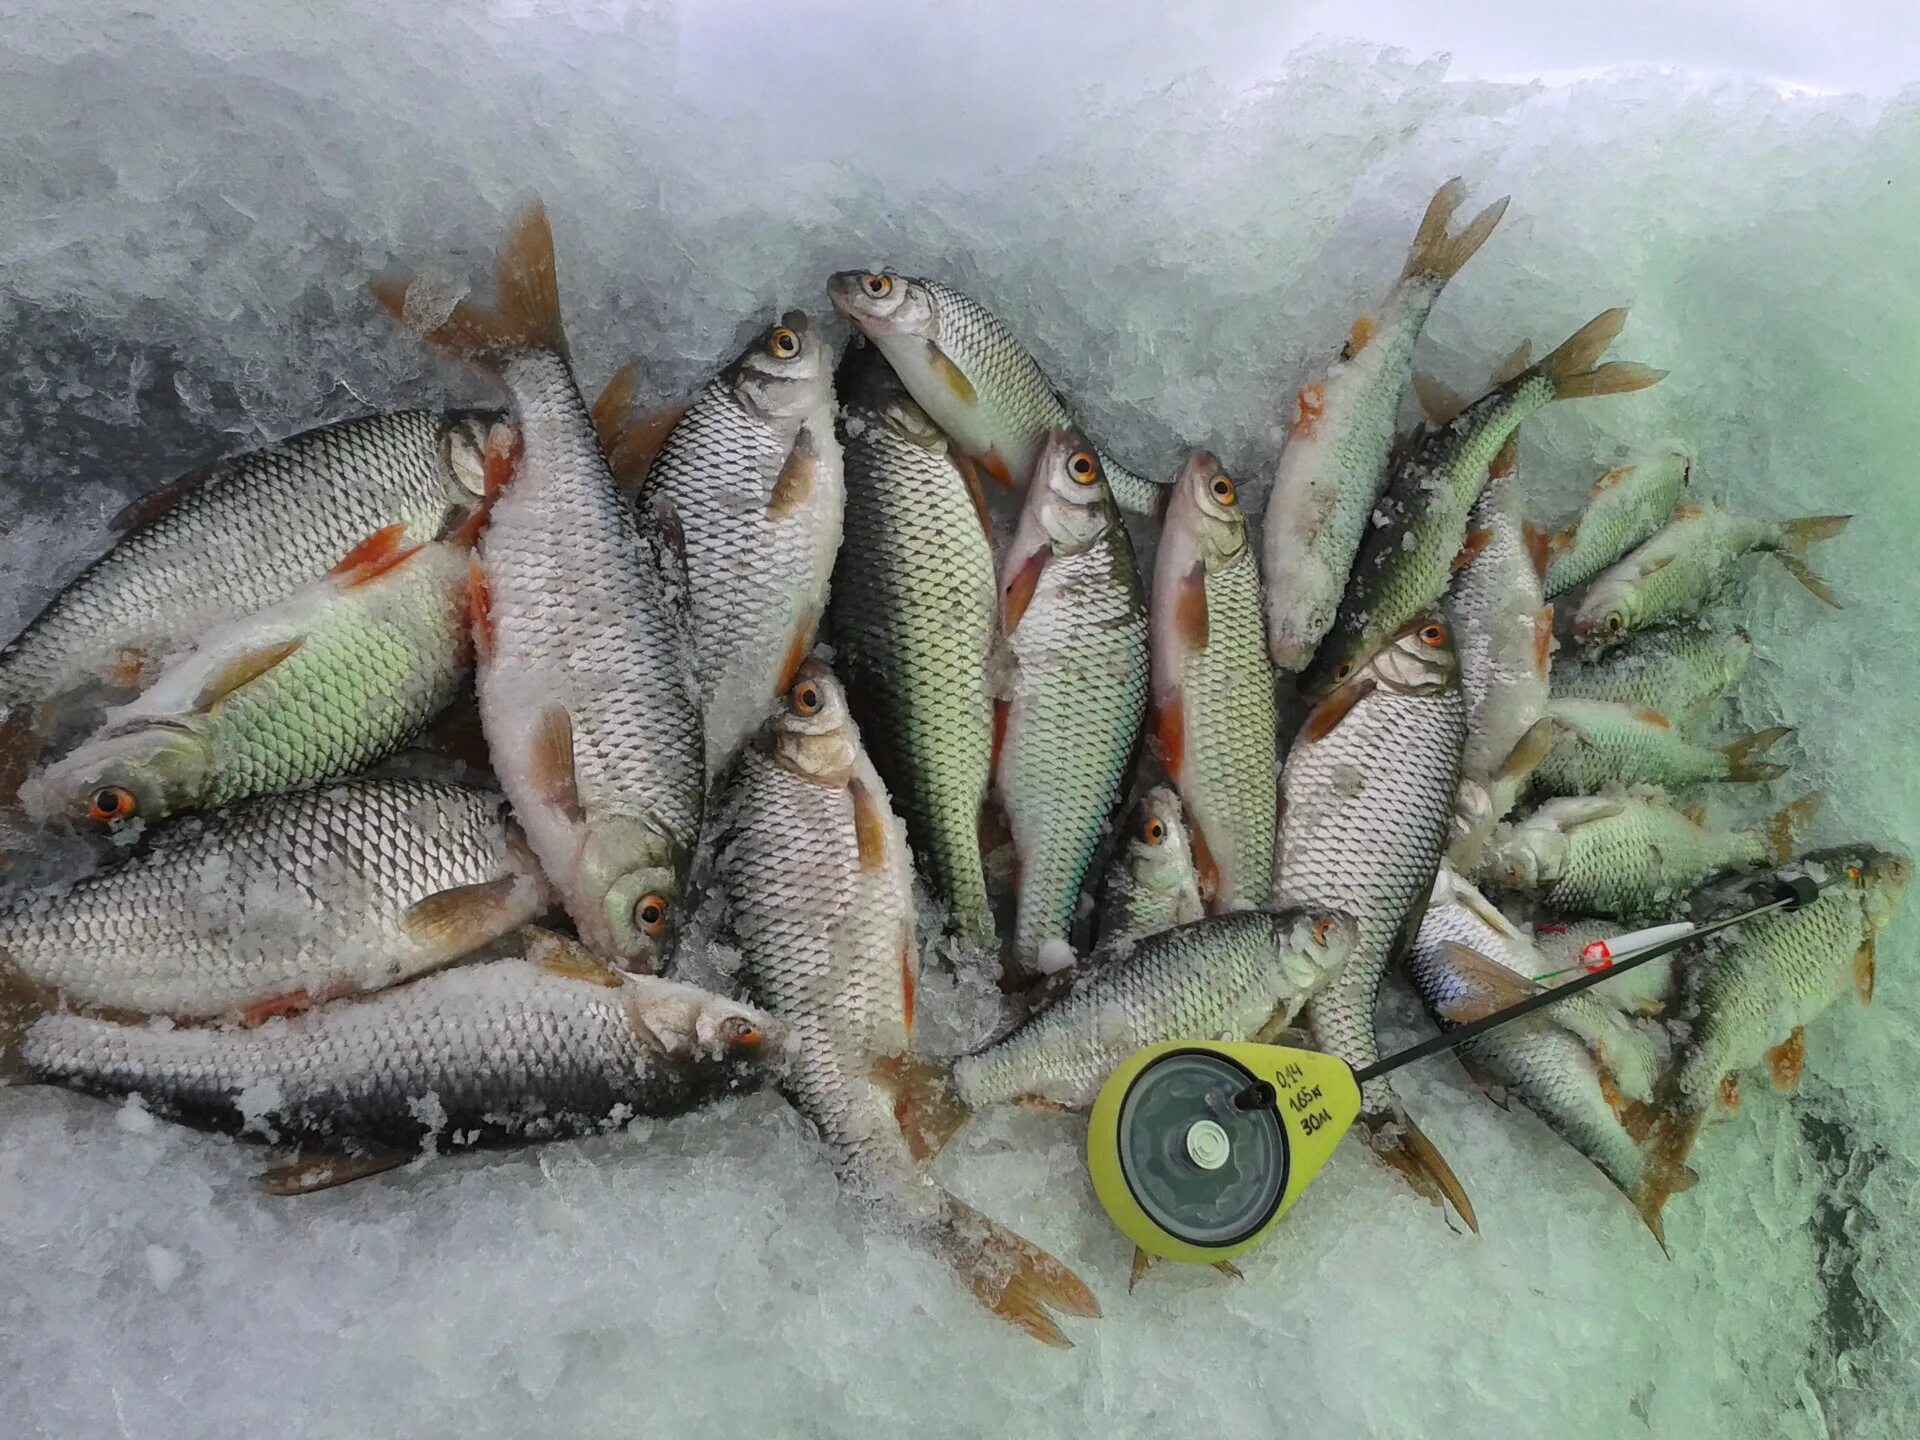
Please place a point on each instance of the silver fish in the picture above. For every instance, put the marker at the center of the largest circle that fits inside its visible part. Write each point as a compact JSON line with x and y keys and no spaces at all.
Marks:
{"x":1625,"y":507}
{"x":582,"y":657}
{"x":1676,"y":671}
{"x":1150,"y":884}
{"x":1598,"y":743}
{"x":282,"y":903}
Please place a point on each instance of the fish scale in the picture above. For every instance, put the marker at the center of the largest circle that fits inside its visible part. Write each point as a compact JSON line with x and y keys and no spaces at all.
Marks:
{"x":1674,"y":671}
{"x":316,"y":494}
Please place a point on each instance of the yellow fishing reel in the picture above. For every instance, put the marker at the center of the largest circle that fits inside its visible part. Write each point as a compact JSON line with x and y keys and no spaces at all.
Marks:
{"x":1197,"y":1149}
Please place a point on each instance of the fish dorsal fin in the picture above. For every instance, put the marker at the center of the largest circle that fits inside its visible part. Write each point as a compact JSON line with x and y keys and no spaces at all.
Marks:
{"x":1515,"y":363}
{"x":385,"y":549}
{"x":143,"y":510}
{"x":1490,"y":987}
{"x":550,"y":759}
{"x":1439,"y":404}
{"x":951,"y":376}
{"x":793,"y":487}
{"x":243,"y":670}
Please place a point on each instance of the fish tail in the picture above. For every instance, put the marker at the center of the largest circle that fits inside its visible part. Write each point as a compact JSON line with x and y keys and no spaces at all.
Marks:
{"x":1673,"y":1124}
{"x":1784,"y":829}
{"x":1574,"y":369}
{"x":525,"y":315}
{"x":1435,"y":252}
{"x":925,"y":1101}
{"x":630,"y":441}
{"x":1795,"y":537}
{"x":1402,"y":1144}
{"x":1743,"y":756}
{"x":1009,"y":1274}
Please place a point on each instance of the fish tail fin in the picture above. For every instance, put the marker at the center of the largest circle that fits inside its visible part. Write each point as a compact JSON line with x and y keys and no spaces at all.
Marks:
{"x":1795,"y":537}
{"x":1574,"y":369}
{"x":1743,"y":756}
{"x":1673,"y":1124}
{"x":1403,"y":1145}
{"x":1439,"y":254}
{"x":926,"y":1103}
{"x":628,"y":440}
{"x":1009,"y":1274}
{"x":525,"y":314}
{"x":1784,"y":829}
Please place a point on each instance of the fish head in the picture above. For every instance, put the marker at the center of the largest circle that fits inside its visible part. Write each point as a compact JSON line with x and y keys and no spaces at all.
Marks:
{"x":813,"y":730}
{"x":630,"y":880}
{"x":786,"y":373}
{"x":1326,"y":938}
{"x":692,"y":1026}
{"x":1608,"y":611}
{"x":1205,"y":511}
{"x":1878,"y":877}
{"x":463,"y":445}
{"x":1526,"y":856}
{"x":883,"y":303}
{"x":1418,"y":660}
{"x":1069,"y":500}
{"x":1157,"y":854}
{"x":142,"y":774}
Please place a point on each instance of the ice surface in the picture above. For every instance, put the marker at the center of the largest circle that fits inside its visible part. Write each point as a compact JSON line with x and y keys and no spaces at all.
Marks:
{"x":1181,"y":217}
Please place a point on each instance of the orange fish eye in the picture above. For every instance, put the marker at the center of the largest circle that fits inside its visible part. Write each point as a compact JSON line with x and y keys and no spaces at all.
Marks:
{"x":1223,"y":490}
{"x":804,"y":698}
{"x":651,"y":913}
{"x":110,"y":803}
{"x":1854,"y":873}
{"x":739,"y":1031}
{"x":783,"y":344}
{"x":1320,"y":929}
{"x":1433,"y":636}
{"x":1083,"y":467}
{"x":878,"y":286}
{"x":1153,"y":832}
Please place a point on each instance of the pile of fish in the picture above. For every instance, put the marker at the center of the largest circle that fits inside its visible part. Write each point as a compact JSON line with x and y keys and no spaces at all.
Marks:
{"x":838,"y":662}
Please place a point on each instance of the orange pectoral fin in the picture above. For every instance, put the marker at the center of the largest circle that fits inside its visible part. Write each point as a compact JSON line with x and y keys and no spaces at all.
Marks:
{"x":995,"y":466}
{"x":1327,"y":715}
{"x":1206,"y":869}
{"x":1543,"y":640}
{"x":1020,"y":586}
{"x":798,"y":649}
{"x":374,"y":556}
{"x":1474,"y":542}
{"x":1170,"y":734}
{"x":1002,"y":712}
{"x":869,"y":827}
{"x":1190,"y":620}
{"x":1787,"y":1060}
{"x":1308,"y":406}
{"x":970,"y":476}
{"x":1539,"y":543}
{"x":479,"y":610}
{"x":1863,"y":973}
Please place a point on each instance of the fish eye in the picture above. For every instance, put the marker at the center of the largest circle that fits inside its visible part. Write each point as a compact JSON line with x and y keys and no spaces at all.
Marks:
{"x":804,"y":698}
{"x":1433,"y":636}
{"x":1083,"y":467}
{"x":1320,"y":929}
{"x":651,"y":913}
{"x":110,"y":803}
{"x":1153,"y":832}
{"x":1342,"y":670}
{"x":1854,"y":873}
{"x":740,"y":1031}
{"x":878,"y":286}
{"x":1223,"y":490}
{"x":1614,"y":621}
{"x":783,"y":344}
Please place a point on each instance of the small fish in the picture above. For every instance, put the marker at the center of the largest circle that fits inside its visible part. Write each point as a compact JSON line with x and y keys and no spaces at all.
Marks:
{"x":1676,"y":671}
{"x":1625,"y":507}
{"x":1076,"y":632}
{"x":1684,"y":567}
{"x":1750,"y":992}
{"x":1628,"y":854}
{"x":277,"y":905}
{"x":817,"y":895}
{"x":1598,"y":743}
{"x":1212,"y":702}
{"x":342,"y":673}
{"x":192,"y":554}
{"x":1367,"y":798}
{"x":583,"y":661}
{"x":1419,"y":532}
{"x":1503,"y":630}
{"x":913,"y":620}
{"x":1334,"y":462}
{"x":1151,"y":884}
{"x":1575,"y":1064}
{"x":973,"y":377}
{"x":752,"y":478}
{"x":542,"y":1045}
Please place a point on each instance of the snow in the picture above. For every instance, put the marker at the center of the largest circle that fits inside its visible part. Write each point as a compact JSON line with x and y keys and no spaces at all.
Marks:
{"x":1181,"y":216}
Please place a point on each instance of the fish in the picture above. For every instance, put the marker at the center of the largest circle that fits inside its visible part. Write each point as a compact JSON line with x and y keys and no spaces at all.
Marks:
{"x":752,"y":480}
{"x":1334,"y":459}
{"x":1751,"y":991}
{"x":1418,"y":535}
{"x":235,"y":538}
{"x":1366,"y":804}
{"x":545,"y":1043}
{"x":815,"y":886}
{"x":913,"y":619}
{"x":1628,"y":853}
{"x":1687,"y":564}
{"x":1625,"y":507}
{"x":341,"y":674}
{"x":1150,"y":884}
{"x":1213,"y":723}
{"x":583,"y":656}
{"x":1076,"y":638}
{"x":1503,"y":632}
{"x":276,"y":905}
{"x":1676,"y":671}
{"x":1598,"y":743}
{"x":977,"y":381}
{"x":1576,"y":1064}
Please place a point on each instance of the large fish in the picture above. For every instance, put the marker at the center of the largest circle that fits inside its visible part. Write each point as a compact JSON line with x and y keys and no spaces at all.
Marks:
{"x":751,"y":475}
{"x":1419,"y":529}
{"x":1212,"y":701}
{"x":584,"y":667}
{"x":1685,"y":566}
{"x":1150,"y":884}
{"x":1676,"y":671}
{"x":1629,"y":854}
{"x":816,"y":887}
{"x":1597,"y":743}
{"x":1334,"y":461}
{"x":1366,"y":801}
{"x":282,"y":903}
{"x":1625,"y":507}
{"x":340,"y":674}
{"x":1575,"y":1064}
{"x":976,"y":380}
{"x":541,"y":1045}
{"x":1750,"y":991}
{"x":1076,"y":631}
{"x":913,"y":620}
{"x":235,"y":538}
